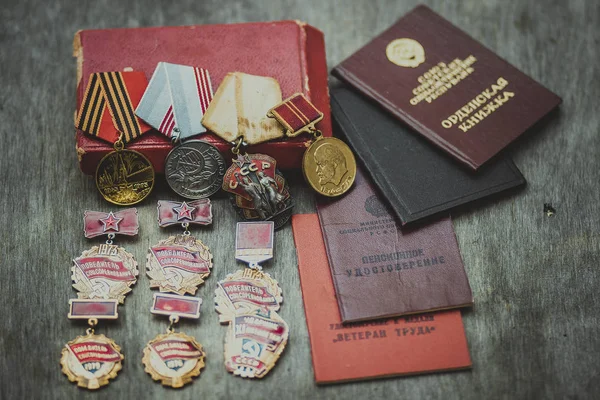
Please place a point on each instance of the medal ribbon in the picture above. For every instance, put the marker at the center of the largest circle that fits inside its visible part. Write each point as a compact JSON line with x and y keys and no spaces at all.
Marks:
{"x":119,"y":92}
{"x":297,"y":114}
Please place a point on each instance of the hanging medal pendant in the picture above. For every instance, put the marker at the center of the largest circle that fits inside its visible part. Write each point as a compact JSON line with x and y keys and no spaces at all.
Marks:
{"x":106,"y":271}
{"x":259,"y":191}
{"x":174,"y":358}
{"x":174,"y":103}
{"x":180,"y":263}
{"x":328,"y":164}
{"x":194,"y":169}
{"x":248,"y":300}
{"x":91,"y":360}
{"x":124,"y":177}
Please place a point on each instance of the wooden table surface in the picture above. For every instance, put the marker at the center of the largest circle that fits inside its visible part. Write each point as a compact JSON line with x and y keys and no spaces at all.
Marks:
{"x":534,"y":331}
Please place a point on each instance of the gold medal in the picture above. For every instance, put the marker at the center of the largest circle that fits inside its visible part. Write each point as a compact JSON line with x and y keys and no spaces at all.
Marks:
{"x":124,"y":177}
{"x":329,"y":166}
{"x":173,"y":359}
{"x":91,"y":360}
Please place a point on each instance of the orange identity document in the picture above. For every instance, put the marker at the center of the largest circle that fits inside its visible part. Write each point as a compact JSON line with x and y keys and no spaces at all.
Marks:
{"x":407,"y":345}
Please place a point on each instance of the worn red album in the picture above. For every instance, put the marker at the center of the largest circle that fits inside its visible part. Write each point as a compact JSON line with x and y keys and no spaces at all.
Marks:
{"x":290,"y":51}
{"x":381,"y":270}
{"x":447,"y":86}
{"x":389,"y":347}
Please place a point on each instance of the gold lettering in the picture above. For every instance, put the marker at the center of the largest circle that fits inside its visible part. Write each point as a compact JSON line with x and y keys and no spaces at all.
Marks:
{"x":439,"y":79}
{"x":478,"y":108}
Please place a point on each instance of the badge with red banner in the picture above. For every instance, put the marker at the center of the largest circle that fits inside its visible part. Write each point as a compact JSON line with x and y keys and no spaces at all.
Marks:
{"x":181,"y":263}
{"x":178,"y":264}
{"x":260,"y":192}
{"x":248,"y":300}
{"x":106,"y":271}
{"x":102,"y":276}
{"x":254,"y":343}
{"x":246,"y":291}
{"x":91,"y":360}
{"x":174,"y":358}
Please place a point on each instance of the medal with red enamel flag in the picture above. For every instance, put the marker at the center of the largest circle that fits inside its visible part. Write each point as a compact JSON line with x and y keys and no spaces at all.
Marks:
{"x":178,"y":265}
{"x":248,"y":301}
{"x":106,"y":271}
{"x":102,"y":276}
{"x":174,"y":358}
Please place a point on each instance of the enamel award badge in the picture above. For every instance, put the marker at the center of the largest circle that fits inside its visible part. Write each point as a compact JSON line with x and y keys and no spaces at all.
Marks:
{"x":174,"y":358}
{"x":248,"y":301}
{"x":259,"y":190}
{"x":106,"y":271}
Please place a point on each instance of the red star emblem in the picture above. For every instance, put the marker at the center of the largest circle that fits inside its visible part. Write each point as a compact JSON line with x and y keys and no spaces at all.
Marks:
{"x":242,"y":159}
{"x":111,"y":222}
{"x":184,"y":211}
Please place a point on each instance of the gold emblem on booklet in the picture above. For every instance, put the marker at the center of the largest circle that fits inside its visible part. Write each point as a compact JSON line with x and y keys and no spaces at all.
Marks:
{"x":405,"y":52}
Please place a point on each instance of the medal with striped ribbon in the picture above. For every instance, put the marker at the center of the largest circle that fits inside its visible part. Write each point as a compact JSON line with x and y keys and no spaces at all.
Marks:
{"x":174,"y":104}
{"x":123,"y":177}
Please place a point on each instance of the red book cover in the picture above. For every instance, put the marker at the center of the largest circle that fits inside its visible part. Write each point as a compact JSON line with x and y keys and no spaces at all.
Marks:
{"x":292,"y":52}
{"x":390,"y":347}
{"x":448,"y":87}
{"x":408,"y":270}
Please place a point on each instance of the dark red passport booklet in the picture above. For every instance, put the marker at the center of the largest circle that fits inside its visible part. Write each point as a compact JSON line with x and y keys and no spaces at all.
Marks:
{"x":447,"y":86}
{"x":380,"y":270}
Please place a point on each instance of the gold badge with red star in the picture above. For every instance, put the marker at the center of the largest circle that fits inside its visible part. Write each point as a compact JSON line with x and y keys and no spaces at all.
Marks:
{"x":178,"y":264}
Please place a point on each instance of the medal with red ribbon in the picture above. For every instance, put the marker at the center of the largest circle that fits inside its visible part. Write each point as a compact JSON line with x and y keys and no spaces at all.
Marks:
{"x":248,"y":300}
{"x":103,"y":276}
{"x":328,"y":164}
{"x":176,"y":266}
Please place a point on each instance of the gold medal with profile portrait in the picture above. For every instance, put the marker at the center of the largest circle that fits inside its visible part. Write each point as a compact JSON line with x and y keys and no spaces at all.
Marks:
{"x":405,"y":52}
{"x":329,"y":166}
